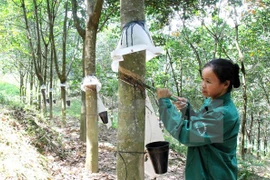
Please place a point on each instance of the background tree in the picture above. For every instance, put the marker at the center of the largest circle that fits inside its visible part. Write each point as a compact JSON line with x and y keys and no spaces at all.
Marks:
{"x":34,"y":40}
{"x":93,"y":15}
{"x":253,"y":41}
{"x":81,"y":31}
{"x":63,"y":73}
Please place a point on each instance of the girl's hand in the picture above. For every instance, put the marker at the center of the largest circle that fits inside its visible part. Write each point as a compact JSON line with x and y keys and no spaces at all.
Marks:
{"x":163,"y":93}
{"x":181,"y":103}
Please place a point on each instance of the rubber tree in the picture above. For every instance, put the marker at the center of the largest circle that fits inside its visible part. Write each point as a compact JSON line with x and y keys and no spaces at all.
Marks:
{"x":94,"y":8}
{"x":61,"y":65}
{"x":81,"y":32}
{"x":131,"y":115}
{"x":38,"y":61}
{"x":244,"y":86}
{"x":110,"y":9}
{"x":51,"y":17}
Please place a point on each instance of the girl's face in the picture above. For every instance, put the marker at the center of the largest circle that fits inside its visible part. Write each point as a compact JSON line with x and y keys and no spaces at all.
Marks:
{"x":211,"y":86}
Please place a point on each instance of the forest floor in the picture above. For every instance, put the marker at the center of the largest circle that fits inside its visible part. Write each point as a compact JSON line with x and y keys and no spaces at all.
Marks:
{"x":54,"y":152}
{"x":73,"y":165}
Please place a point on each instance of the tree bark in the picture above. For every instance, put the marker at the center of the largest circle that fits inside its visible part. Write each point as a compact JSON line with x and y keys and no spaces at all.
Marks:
{"x":259,"y":136}
{"x":39,"y":64}
{"x":51,"y":85}
{"x":250,"y":133}
{"x":93,"y":14}
{"x":83,"y":108}
{"x":265,"y":138}
{"x":39,"y":67}
{"x":244,"y":84}
{"x":81,"y":32}
{"x":131,"y":115}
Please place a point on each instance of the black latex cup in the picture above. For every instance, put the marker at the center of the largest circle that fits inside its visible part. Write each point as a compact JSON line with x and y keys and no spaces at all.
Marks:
{"x":104,"y":117}
{"x":159,"y":155}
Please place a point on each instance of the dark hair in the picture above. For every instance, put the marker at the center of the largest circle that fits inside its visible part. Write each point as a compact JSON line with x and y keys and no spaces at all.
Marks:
{"x":225,"y":70}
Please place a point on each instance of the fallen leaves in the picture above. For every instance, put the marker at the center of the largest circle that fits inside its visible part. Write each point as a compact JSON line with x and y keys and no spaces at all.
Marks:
{"x":18,"y":159}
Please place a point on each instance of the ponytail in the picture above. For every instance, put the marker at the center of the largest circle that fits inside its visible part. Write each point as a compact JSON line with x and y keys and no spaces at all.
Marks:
{"x":236,"y":79}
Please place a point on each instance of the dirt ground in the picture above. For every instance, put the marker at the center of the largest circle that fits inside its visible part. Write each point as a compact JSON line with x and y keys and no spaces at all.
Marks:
{"x":72,"y":166}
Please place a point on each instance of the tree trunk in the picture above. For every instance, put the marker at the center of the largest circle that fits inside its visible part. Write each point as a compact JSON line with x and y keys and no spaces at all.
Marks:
{"x":83,"y":119}
{"x":259,"y":137}
{"x":51,"y":84}
{"x":181,"y":79}
{"x":91,"y":162}
{"x":40,"y":66}
{"x":265,"y":139}
{"x":131,"y":115}
{"x":244,"y":84}
{"x":93,"y":14}
{"x":250,"y":133}
{"x":36,"y":54}
{"x":81,"y":32}
{"x":22,"y":94}
{"x":83,"y":108}
{"x":252,"y":145}
{"x":43,"y":101}
{"x":31,"y":83}
{"x":244,"y":114}
{"x":64,"y":104}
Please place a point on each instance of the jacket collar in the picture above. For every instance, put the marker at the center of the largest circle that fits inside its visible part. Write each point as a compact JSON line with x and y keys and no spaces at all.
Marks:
{"x":220,"y":101}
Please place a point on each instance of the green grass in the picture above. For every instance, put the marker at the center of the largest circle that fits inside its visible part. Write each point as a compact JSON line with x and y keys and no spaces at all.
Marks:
{"x":9,"y":89}
{"x":10,"y":95}
{"x":73,"y":110}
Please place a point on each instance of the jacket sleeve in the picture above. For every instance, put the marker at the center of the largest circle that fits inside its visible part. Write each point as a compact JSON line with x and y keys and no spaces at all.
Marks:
{"x":187,"y":111}
{"x":201,"y":129}
{"x":171,"y":118}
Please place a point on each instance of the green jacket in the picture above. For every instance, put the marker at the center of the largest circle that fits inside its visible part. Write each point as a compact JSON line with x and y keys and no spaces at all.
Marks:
{"x":210,"y":134}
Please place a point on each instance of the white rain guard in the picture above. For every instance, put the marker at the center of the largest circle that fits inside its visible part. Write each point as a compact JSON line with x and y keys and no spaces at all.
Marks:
{"x":91,"y":80}
{"x":153,"y":133}
{"x":43,"y":86}
{"x":135,"y":37}
{"x":63,"y":85}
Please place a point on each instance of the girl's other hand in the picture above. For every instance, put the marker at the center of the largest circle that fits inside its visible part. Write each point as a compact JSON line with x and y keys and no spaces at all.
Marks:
{"x":181,"y":103}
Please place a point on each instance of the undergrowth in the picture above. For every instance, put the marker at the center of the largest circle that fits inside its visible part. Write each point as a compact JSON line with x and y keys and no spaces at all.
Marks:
{"x":253,"y":168}
{"x":9,"y":95}
{"x":18,"y":158}
{"x":43,"y":137}
{"x":25,"y":137}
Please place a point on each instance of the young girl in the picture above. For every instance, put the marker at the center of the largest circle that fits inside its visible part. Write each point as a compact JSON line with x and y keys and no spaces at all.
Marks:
{"x":210,"y":133}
